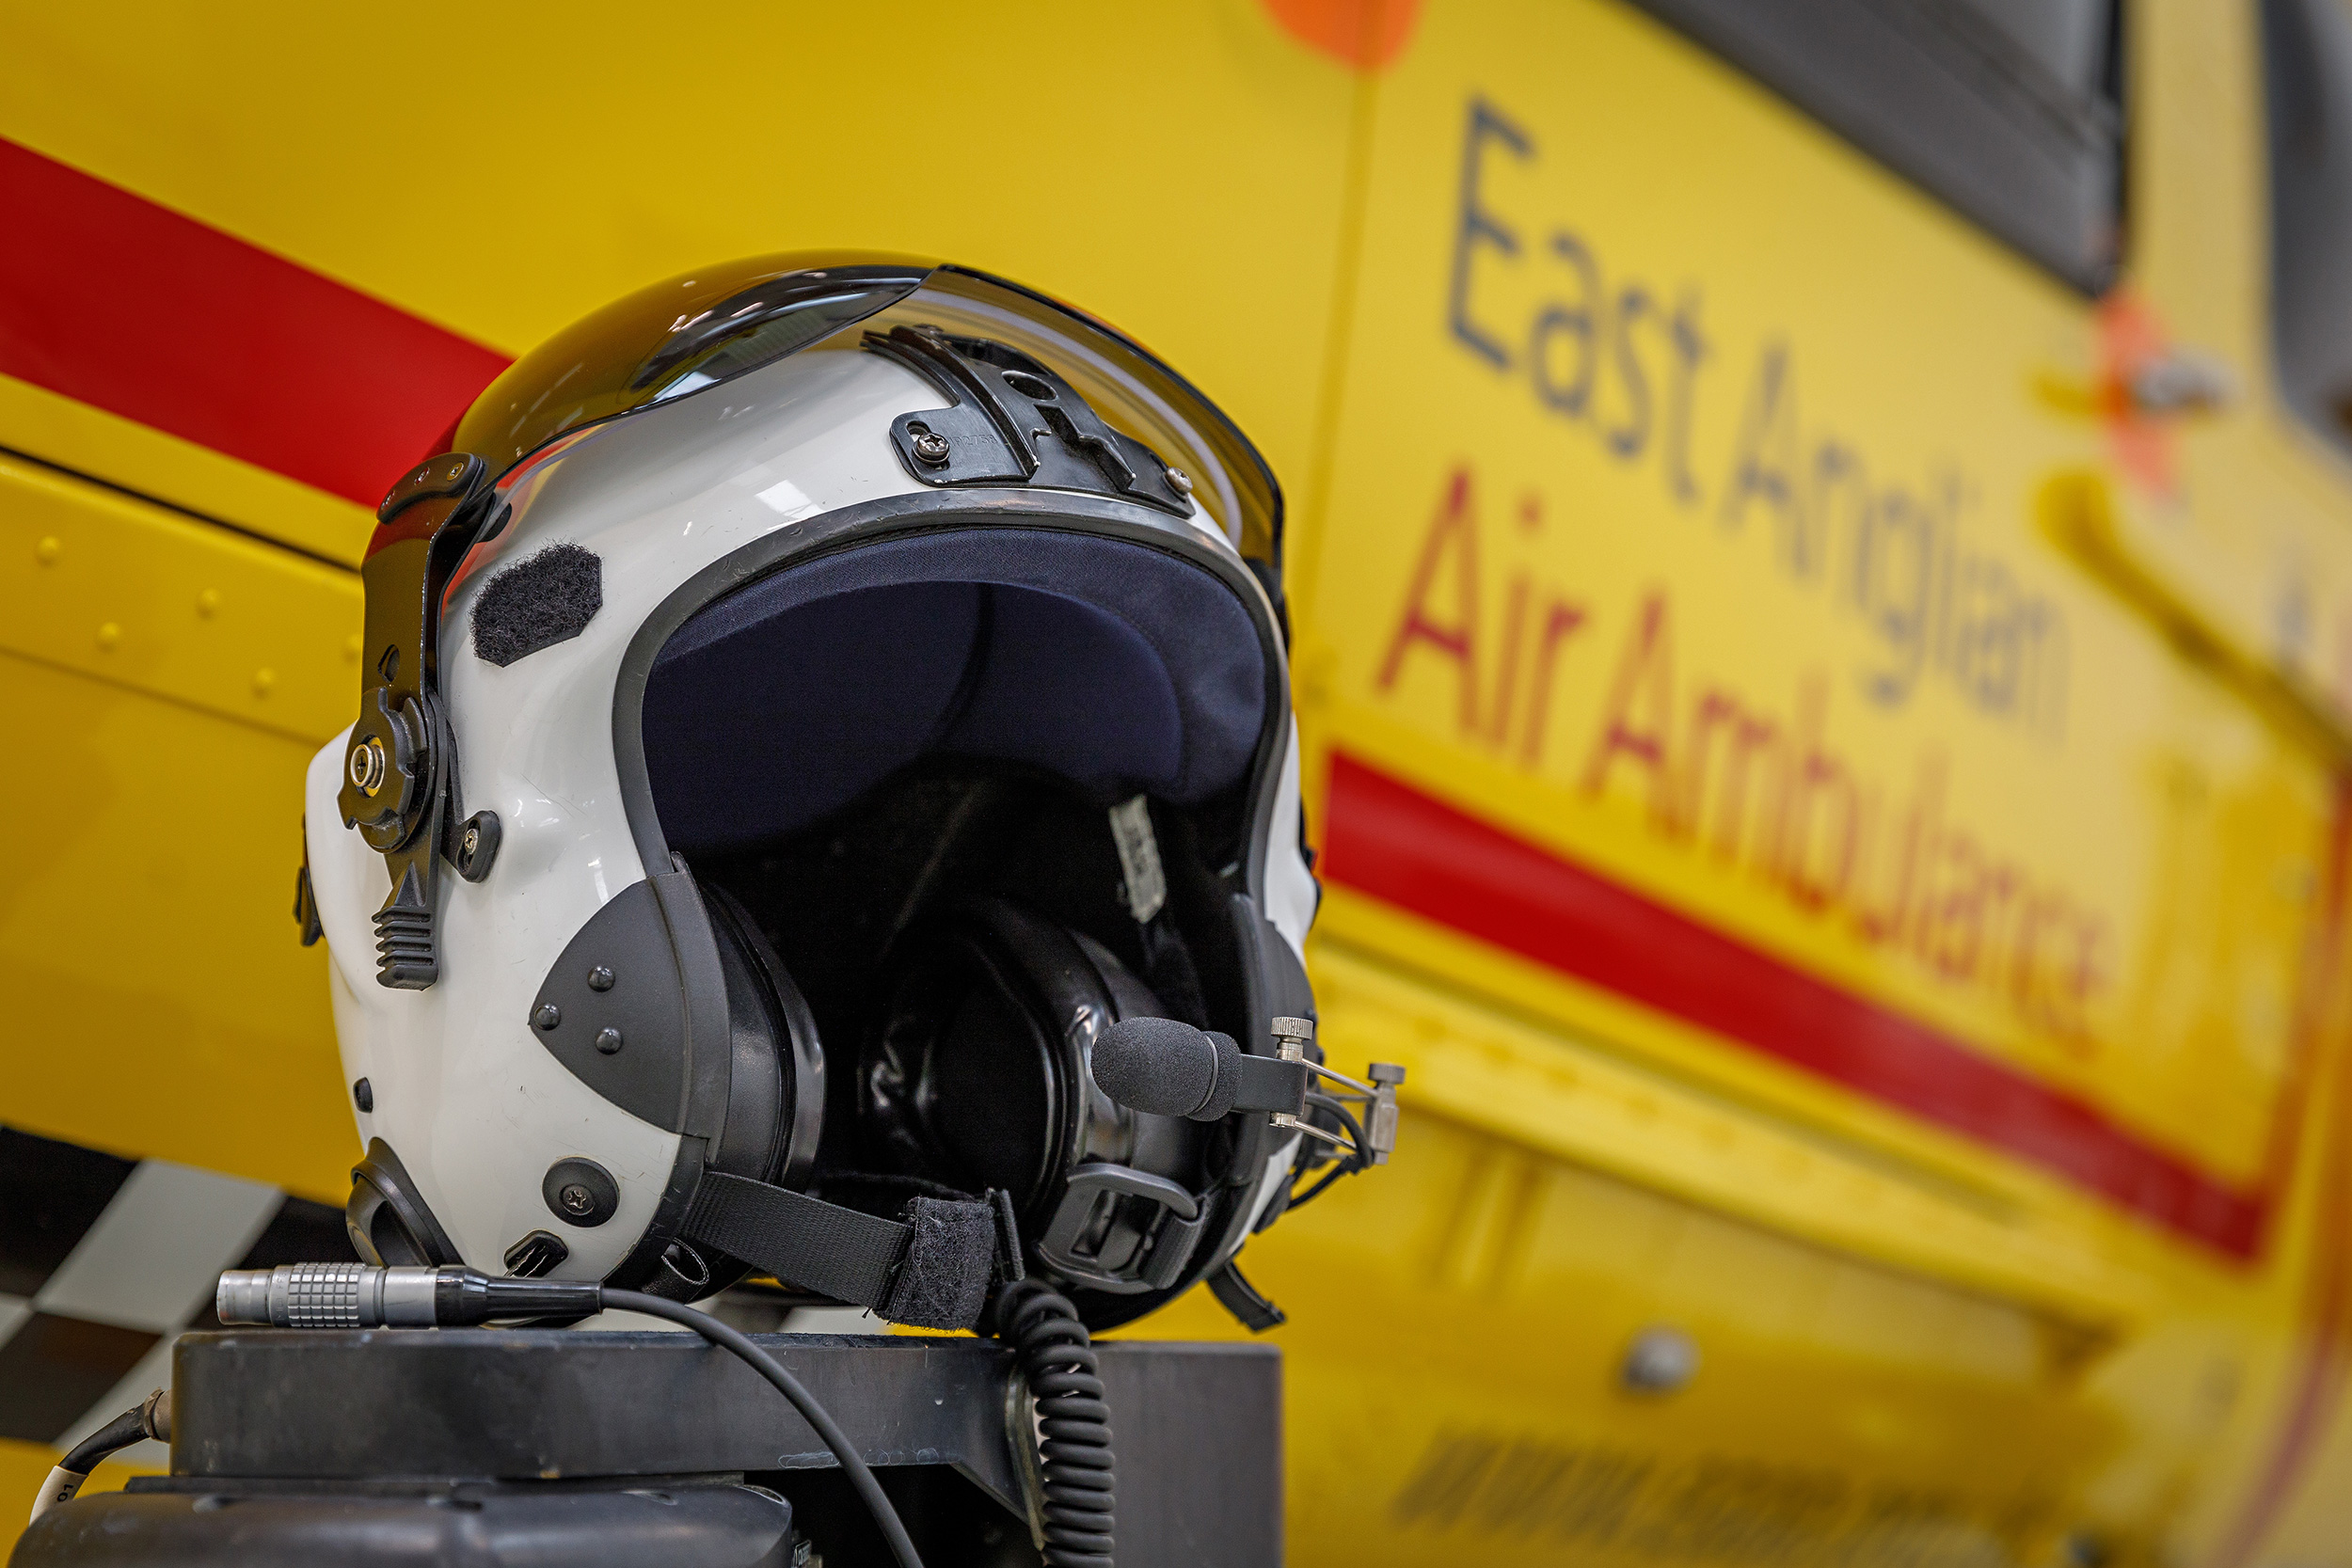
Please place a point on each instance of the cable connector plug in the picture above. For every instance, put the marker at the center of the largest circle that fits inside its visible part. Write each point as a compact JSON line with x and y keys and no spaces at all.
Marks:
{"x":1374,"y":1137}
{"x":362,"y":1296}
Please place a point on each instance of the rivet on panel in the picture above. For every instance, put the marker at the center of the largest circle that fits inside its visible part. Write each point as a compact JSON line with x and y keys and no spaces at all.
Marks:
{"x":108,"y":635}
{"x":47,"y":551}
{"x":351,"y":648}
{"x":262,"y":680}
{"x":208,"y":603}
{"x":1660,"y":1360}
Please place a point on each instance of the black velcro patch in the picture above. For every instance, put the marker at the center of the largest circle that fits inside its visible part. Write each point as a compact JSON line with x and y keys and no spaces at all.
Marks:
{"x":536,"y":603}
{"x":944,"y":1281}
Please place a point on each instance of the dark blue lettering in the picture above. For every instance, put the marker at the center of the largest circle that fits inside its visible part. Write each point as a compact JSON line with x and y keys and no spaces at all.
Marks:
{"x":1895,"y":569}
{"x":1476,"y":226}
{"x":1571,"y":396}
{"x":1690,"y":349}
{"x":1627,"y":439}
{"x":1893,"y":557}
{"x":1837,"y":476}
{"x":1763,"y":466}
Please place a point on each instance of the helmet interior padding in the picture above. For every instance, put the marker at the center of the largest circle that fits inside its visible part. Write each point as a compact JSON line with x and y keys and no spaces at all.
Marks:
{"x":1119,"y":668}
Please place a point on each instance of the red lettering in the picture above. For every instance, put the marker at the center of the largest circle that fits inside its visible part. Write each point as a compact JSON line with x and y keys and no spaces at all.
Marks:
{"x":1822,"y":788}
{"x":1507,"y":679}
{"x":1761,"y":791}
{"x":1559,"y":622}
{"x":1454,"y":532}
{"x":1645,"y":677}
{"x":1750,"y":736}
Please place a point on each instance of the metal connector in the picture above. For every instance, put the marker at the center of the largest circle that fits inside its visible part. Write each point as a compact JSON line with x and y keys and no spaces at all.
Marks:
{"x":1291,"y":1036}
{"x":329,"y":1295}
{"x":360,"y":1295}
{"x":1380,"y":1123}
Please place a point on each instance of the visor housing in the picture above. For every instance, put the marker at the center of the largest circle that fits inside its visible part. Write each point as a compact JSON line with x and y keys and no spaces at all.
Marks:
{"x":703,"y":328}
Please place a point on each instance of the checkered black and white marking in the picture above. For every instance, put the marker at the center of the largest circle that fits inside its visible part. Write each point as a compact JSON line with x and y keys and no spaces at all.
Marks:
{"x":105,"y":1261}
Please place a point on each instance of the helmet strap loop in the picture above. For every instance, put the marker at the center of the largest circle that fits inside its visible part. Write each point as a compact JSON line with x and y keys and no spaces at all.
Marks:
{"x":932,"y":1269}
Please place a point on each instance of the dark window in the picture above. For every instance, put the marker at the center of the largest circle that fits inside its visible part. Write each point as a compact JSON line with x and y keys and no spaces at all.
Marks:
{"x":2307,"y":57}
{"x":2010,"y":110}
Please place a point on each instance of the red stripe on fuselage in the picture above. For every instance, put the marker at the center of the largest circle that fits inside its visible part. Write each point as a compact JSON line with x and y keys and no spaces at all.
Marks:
{"x":1390,"y":841}
{"x":116,"y":302}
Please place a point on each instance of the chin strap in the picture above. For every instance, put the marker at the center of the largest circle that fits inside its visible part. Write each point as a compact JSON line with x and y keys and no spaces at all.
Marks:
{"x":932,"y":1269}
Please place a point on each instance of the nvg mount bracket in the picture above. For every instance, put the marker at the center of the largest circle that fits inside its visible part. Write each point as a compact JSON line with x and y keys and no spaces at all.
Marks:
{"x":399,"y":766}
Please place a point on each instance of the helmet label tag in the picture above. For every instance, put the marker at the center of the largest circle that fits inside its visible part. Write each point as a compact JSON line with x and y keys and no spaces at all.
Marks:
{"x":1139,"y":858}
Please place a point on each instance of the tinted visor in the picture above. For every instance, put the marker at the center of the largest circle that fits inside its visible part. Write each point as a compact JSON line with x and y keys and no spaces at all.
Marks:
{"x":677,"y":337}
{"x":671,"y":340}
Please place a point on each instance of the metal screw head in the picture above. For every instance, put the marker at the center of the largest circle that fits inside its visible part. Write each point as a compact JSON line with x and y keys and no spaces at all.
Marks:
{"x":368,"y":766}
{"x":601,"y":978}
{"x":609,"y":1040}
{"x":548,"y":1014}
{"x":1180,"y":481}
{"x":478,"y":846}
{"x":580,"y":1191}
{"x":931,"y":446}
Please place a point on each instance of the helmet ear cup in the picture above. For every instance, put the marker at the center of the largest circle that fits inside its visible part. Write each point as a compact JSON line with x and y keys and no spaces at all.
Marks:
{"x":775,"y":1105}
{"x":975,"y":1076}
{"x":776,"y":1082}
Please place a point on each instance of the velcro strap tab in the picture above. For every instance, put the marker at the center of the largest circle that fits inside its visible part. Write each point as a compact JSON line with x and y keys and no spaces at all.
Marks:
{"x":933,"y":1273}
{"x":948,"y":1265}
{"x":802,"y":1241}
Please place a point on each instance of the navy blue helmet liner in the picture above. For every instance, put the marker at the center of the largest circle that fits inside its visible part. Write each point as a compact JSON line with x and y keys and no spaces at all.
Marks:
{"x":1122,"y":668}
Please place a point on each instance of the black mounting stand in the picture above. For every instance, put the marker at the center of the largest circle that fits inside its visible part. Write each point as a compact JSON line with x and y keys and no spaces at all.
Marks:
{"x":546,"y":1448}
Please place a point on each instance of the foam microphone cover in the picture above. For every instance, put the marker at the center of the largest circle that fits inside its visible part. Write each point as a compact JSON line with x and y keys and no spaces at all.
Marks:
{"x":1166,"y":1067}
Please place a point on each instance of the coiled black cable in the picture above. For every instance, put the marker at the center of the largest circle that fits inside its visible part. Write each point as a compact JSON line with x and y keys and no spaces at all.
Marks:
{"x":1056,"y":1358}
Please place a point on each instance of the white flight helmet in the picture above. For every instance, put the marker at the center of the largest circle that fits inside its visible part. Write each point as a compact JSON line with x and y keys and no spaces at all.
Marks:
{"x":841,"y":688}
